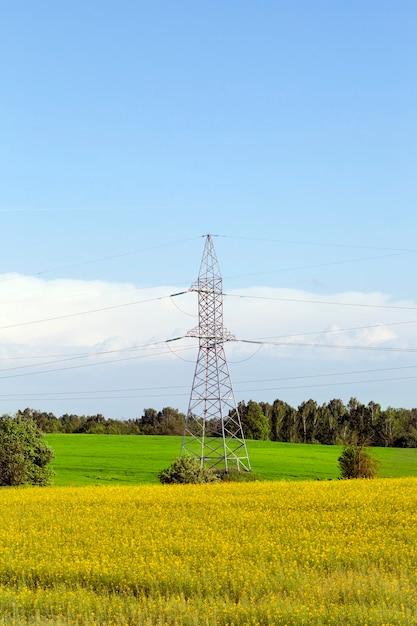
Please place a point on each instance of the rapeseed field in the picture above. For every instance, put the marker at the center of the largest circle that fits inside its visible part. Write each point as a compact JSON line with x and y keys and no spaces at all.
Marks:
{"x":255,"y":554}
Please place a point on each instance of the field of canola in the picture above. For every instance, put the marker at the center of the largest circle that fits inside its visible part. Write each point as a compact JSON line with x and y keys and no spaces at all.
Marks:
{"x":312,"y":553}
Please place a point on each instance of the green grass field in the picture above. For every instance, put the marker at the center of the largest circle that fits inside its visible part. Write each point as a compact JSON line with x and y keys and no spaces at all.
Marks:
{"x":132,"y":460}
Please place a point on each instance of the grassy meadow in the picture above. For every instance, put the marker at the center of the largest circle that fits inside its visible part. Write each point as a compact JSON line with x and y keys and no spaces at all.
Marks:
{"x":132,"y":460}
{"x":313,"y":553}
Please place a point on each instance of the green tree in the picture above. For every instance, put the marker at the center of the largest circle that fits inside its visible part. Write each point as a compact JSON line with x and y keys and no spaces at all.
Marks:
{"x":24,"y":456}
{"x":358,"y":420}
{"x":71,"y":423}
{"x":94,"y":425}
{"x":309,"y":418}
{"x":357,"y":462}
{"x":170,"y":422}
{"x":254,"y":423}
{"x":149,"y":421}
{"x":46,"y":422}
{"x":280,"y":421}
{"x":333,"y":421}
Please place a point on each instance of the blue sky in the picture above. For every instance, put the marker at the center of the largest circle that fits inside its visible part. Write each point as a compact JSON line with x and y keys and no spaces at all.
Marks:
{"x":132,"y":129}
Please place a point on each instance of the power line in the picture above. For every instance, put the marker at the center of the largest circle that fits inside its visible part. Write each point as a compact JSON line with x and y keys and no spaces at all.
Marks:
{"x":260,"y":343}
{"x":99,"y":310}
{"x":111,"y":257}
{"x":72,"y":367}
{"x":145,"y":346}
{"x":81,"y":294}
{"x":71,"y":398}
{"x":38,"y":397}
{"x":326,"y":302}
{"x":394,"y":252}
{"x":238,"y":382}
{"x":348,"y":382}
{"x":70,"y":394}
{"x":243,"y":296}
{"x":329,"y":374}
{"x":101,"y":391}
{"x":319,"y":345}
{"x":328,"y":264}
{"x":85,"y":355}
{"x":340,"y":330}
{"x":260,"y":339}
{"x":320,"y":244}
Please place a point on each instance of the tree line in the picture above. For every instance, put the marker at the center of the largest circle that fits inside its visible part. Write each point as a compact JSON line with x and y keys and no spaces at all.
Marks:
{"x":330,"y":423}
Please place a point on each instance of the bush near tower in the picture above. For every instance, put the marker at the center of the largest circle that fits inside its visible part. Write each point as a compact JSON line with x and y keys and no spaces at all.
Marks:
{"x":187,"y":470}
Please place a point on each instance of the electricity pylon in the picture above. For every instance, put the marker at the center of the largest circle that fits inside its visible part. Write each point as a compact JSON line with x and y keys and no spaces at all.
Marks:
{"x":213,"y":431}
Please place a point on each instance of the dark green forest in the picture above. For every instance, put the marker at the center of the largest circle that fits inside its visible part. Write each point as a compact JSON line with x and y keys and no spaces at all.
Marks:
{"x":330,"y":423}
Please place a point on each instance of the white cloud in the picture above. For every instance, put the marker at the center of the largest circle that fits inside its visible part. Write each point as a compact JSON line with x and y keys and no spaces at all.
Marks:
{"x":112,"y":322}
{"x":70,"y":313}
{"x":292,"y":316}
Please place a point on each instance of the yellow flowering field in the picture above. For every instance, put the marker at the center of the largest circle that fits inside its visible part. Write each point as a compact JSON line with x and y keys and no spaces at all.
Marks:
{"x":263,"y":553}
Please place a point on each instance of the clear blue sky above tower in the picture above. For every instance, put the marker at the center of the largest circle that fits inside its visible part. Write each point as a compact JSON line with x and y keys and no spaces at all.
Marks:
{"x":287,"y":128}
{"x":191,"y":117}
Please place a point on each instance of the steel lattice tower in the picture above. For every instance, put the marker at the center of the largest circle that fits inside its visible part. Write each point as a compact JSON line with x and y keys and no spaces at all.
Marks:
{"x":213,"y":431}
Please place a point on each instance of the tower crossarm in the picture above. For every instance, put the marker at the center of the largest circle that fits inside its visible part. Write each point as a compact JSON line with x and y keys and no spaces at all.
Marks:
{"x":203,"y":334}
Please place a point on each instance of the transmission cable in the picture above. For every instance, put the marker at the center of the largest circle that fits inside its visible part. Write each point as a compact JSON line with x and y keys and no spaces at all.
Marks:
{"x":72,"y":367}
{"x":106,"y":308}
{"x":349,"y":304}
{"x":85,"y":355}
{"x":334,"y":384}
{"x":330,"y":346}
{"x":238,"y":382}
{"x":339,"y":330}
{"x":107,"y":258}
{"x":314,"y":243}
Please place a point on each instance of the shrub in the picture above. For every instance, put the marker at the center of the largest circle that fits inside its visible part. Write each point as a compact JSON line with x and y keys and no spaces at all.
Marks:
{"x":357,"y":462}
{"x":233,"y":476}
{"x":187,"y":470}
